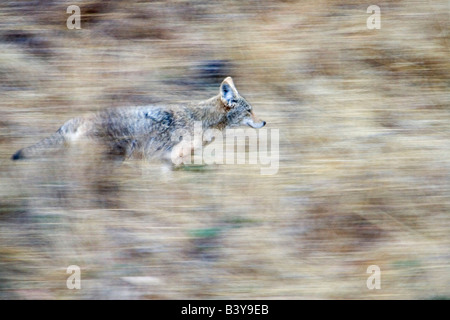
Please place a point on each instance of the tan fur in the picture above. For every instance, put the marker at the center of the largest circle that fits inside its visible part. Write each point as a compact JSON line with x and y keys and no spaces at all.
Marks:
{"x":148,"y":131}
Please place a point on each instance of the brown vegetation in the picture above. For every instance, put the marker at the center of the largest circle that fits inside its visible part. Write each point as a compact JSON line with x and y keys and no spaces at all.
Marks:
{"x":364,"y":147}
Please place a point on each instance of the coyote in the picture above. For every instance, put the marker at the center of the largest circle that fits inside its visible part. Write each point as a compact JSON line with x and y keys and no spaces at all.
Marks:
{"x":148,"y":131}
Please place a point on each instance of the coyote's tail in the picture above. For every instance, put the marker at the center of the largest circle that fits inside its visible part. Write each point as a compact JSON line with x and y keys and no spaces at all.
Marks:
{"x":52,"y":143}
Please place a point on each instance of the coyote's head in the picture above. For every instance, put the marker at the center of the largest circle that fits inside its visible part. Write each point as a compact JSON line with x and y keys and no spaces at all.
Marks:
{"x":239,"y":111}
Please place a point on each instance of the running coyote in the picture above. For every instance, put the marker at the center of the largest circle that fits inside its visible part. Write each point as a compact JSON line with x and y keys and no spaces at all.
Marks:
{"x":149,"y":131}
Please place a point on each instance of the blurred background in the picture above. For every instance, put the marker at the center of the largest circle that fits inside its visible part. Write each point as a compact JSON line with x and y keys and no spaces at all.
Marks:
{"x":363,"y":178}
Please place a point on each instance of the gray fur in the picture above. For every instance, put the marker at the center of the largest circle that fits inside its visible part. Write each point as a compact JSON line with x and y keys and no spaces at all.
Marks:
{"x":148,"y":131}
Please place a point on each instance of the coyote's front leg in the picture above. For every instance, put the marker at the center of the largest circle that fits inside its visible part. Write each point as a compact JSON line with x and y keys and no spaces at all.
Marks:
{"x":186,"y":153}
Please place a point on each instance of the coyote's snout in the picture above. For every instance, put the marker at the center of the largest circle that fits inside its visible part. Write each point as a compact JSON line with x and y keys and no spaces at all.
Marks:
{"x":148,"y":131}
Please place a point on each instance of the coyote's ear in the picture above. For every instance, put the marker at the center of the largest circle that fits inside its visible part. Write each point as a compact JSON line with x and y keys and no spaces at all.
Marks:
{"x":228,"y":92}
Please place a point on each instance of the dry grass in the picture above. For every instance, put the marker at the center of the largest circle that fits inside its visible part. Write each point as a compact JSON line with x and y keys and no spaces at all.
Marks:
{"x":364,"y":171}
